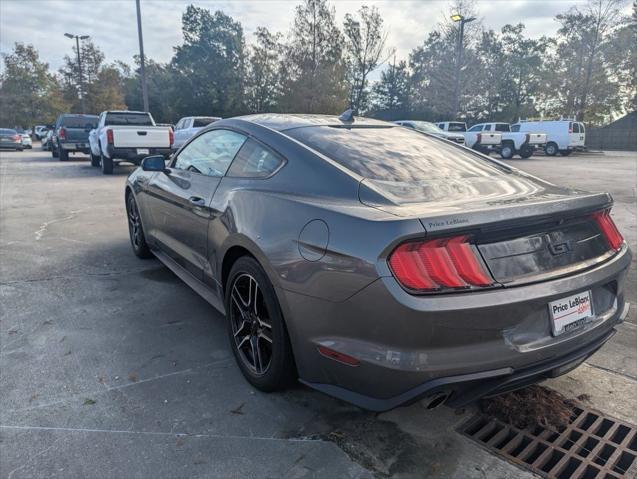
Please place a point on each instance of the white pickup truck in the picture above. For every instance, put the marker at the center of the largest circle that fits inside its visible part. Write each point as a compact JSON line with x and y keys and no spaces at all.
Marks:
{"x":513,"y":142}
{"x":127,"y":136}
{"x":483,"y":142}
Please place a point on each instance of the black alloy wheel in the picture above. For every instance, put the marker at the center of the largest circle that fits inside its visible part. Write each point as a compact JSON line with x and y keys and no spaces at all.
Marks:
{"x":251,"y":324}
{"x":135,"y":229}
{"x":256,"y":329}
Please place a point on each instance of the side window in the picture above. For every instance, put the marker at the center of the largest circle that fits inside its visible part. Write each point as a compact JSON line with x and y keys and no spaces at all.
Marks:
{"x":487,"y":128}
{"x":254,"y":161}
{"x":211,"y":153}
{"x":187,"y":123}
{"x":179,"y":124}
{"x":476,"y":128}
{"x":515,"y":128}
{"x":575,"y":127}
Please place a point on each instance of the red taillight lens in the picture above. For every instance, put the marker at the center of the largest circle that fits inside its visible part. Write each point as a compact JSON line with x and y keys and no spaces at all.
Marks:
{"x":171,"y":136}
{"x":62,"y":134}
{"x":109,"y":137}
{"x":17,"y":138}
{"x":479,"y":137}
{"x":433,"y":265}
{"x":609,"y":229}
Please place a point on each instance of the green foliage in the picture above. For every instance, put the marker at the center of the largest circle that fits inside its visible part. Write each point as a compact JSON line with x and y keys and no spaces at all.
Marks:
{"x":28,"y":92}
{"x":588,"y":69}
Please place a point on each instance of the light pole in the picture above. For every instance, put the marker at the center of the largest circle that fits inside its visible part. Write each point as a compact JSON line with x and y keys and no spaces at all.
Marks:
{"x":79,"y":65}
{"x":456,"y":17}
{"x":142,"y":68}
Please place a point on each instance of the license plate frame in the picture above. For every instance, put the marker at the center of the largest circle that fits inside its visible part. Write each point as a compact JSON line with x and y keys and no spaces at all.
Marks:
{"x":571,"y":312}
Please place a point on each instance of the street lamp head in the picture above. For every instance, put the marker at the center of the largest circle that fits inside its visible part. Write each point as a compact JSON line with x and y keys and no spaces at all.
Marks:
{"x":470,"y":19}
{"x":456,"y":17}
{"x":84,"y":37}
{"x":68,"y":35}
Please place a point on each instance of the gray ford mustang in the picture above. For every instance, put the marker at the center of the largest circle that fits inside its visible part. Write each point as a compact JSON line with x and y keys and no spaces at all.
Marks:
{"x":379,"y":265}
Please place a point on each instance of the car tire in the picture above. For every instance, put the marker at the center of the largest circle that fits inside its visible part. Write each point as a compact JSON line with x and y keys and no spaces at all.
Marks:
{"x":95,"y":160}
{"x":106,"y":164}
{"x":565,"y":152}
{"x":136,"y":230}
{"x":19,"y":149}
{"x":54,"y":153}
{"x":64,"y":155}
{"x":526,"y":152}
{"x":551,"y":149}
{"x":263,"y":353}
{"x":507,"y":151}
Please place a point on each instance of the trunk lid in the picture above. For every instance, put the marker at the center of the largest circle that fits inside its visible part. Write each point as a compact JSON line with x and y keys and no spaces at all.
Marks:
{"x":141,"y":136}
{"x":525,"y":229}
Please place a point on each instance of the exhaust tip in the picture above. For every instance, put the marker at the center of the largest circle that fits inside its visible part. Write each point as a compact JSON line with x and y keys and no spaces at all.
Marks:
{"x":437,"y":400}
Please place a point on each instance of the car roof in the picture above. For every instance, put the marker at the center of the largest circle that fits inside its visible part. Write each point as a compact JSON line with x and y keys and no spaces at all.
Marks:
{"x":67,"y":115}
{"x":282,"y":122}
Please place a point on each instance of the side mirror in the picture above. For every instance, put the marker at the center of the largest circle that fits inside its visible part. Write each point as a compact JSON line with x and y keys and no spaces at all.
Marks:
{"x":154,"y":163}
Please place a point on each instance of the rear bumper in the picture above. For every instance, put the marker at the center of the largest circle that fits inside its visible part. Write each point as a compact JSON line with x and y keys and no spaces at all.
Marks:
{"x":132,"y":155}
{"x":467,"y":388}
{"x":75,"y":146}
{"x":6,"y":145}
{"x":470,"y":344}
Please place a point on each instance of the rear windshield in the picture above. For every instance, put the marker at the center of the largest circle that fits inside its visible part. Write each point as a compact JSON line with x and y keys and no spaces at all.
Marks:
{"x":515,"y":128}
{"x":123,"y":119}
{"x":457,"y":127}
{"x":201,"y":122}
{"x":5,"y":131}
{"x":78,"y":121}
{"x":393,"y":154}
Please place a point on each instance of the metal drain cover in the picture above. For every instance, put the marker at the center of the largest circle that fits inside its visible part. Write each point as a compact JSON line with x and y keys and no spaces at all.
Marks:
{"x":592,"y":446}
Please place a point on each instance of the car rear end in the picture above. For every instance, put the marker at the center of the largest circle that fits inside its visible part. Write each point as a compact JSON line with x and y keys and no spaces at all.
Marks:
{"x":10,"y":139}
{"x":72,"y":133}
{"x":131,"y":136}
{"x":488,"y":280}
{"x":576,"y":135}
{"x":26,"y":140}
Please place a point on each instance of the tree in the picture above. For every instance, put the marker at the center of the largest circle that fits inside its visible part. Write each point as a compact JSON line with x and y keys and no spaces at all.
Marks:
{"x":365,"y":45}
{"x":263,"y":76}
{"x":29,"y":94}
{"x":313,"y":67}
{"x":210,"y":65}
{"x":391,"y":93}
{"x":583,"y":83}
{"x":75,"y":85}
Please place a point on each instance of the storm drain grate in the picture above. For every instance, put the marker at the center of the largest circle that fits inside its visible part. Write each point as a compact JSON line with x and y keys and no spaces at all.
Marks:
{"x":592,"y":446}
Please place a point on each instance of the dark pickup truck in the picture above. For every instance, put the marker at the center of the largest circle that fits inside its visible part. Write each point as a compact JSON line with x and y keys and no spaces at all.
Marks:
{"x":71,"y":134}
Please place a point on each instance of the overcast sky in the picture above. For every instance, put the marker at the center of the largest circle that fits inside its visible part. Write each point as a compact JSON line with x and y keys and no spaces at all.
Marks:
{"x":112,"y":23}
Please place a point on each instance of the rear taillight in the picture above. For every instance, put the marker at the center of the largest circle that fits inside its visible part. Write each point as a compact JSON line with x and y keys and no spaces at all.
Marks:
{"x":109,"y":137}
{"x":479,"y":137}
{"x":62,"y":134}
{"x":171,"y":136}
{"x":17,"y":138}
{"x":609,"y":229}
{"x":439,"y":264}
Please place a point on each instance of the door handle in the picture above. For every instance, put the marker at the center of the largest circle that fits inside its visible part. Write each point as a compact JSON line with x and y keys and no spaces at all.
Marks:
{"x":196,"y":201}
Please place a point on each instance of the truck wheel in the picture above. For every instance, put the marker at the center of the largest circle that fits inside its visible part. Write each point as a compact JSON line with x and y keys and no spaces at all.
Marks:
{"x":64,"y":155}
{"x":507,"y":151}
{"x":565,"y":152}
{"x":95,"y":160}
{"x":107,"y":165}
{"x":551,"y":149}
{"x":526,"y":152}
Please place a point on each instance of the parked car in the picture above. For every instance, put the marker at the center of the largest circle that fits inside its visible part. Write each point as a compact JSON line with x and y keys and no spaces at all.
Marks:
{"x":10,"y":139}
{"x":127,"y":136}
{"x":71,"y":134}
{"x":474,"y":137}
{"x":47,"y":141}
{"x":513,"y":143}
{"x":380,"y":265}
{"x":26,"y":139}
{"x":562,"y":136}
{"x":188,"y":126}
{"x":432,"y":129}
{"x":40,"y":131}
